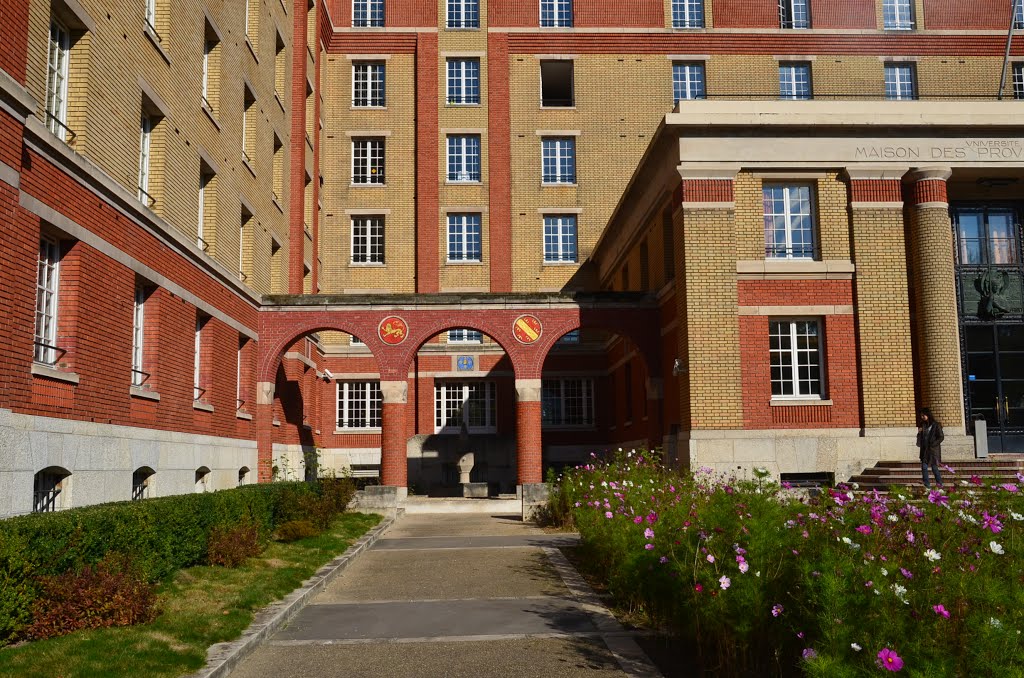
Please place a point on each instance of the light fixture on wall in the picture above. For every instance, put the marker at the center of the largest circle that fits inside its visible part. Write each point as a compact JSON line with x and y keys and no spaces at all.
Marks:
{"x":328,"y":375}
{"x":678,"y":367}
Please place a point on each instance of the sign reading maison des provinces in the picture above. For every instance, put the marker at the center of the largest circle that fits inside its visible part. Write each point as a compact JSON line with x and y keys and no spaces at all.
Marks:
{"x":824,"y":151}
{"x":944,"y":150}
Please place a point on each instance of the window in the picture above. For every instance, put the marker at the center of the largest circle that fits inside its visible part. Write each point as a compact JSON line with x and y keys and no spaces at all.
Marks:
{"x":898,"y":15}
{"x":252,"y":23}
{"x":567,"y":402}
{"x":464,"y":81}
{"x":1018,"y":80}
{"x":899,"y":82}
{"x":202,"y":480}
{"x":353,"y":340}
{"x":368,"y":160}
{"x":687,"y":13}
{"x":464,"y":237}
{"x":141,"y":479}
{"x":556,"y":13}
{"x":463,"y":13}
{"x":368,"y":13}
{"x":45,"y":351}
{"x":248,"y":125}
{"x":560,"y":238}
{"x":558,"y":160}
{"x":368,"y":84}
{"x":465,"y":336}
{"x":278,"y":170}
{"x":49,"y":490}
{"x":464,"y":157}
{"x":197,"y":373}
{"x":145,"y":150}
{"x":571,"y":338}
{"x":151,"y":14}
{"x":138,"y":335}
{"x":280,"y":67}
{"x":795,"y":80}
{"x":794,"y":14}
{"x":57,"y":79}
{"x":788,"y":221}
{"x":240,"y":375}
{"x":359,"y":404}
{"x":207,"y":218}
{"x":795,"y":357}
{"x":987,"y":236}
{"x":472,"y":403}
{"x":208,"y":46}
{"x":1018,"y":14}
{"x":368,"y":240}
{"x":688,"y":81}
{"x":245,"y":220}
{"x":556,"y":84}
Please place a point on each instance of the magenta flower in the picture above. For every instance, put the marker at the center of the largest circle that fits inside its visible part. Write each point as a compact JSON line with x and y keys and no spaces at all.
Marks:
{"x":724,"y":582}
{"x":989,"y":522}
{"x":776,"y":610}
{"x":864,"y":529}
{"x":808,"y":654}
{"x":652,"y":517}
{"x":889,"y":660}
{"x":698,"y":588}
{"x":607,"y":514}
{"x":663,"y":560}
{"x":649,"y":547}
{"x":941,"y":610}
{"x":649,"y":533}
{"x":638,"y":520}
{"x":906,"y":573}
{"x":1009,"y":487}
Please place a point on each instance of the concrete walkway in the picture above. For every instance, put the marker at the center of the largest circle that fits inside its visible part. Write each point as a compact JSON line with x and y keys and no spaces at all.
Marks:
{"x":454,"y":595}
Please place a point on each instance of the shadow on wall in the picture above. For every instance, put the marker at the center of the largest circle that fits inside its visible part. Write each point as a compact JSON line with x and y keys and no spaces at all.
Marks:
{"x":434,"y":463}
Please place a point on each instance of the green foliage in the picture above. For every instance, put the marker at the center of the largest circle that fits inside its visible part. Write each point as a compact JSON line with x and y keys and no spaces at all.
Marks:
{"x":17,"y":590}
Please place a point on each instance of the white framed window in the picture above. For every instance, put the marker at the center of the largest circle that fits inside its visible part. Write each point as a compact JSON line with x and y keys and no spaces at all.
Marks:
{"x":50,"y":490}
{"x":570,"y":338}
{"x":151,"y":14}
{"x":560,"y":238}
{"x":898,"y":15}
{"x":1018,"y":14}
{"x":687,"y":13}
{"x":795,"y":80}
{"x":368,"y":240}
{"x":239,"y":363}
{"x":794,"y":14}
{"x":138,"y":335}
{"x":789,"y":228}
{"x":368,"y":84}
{"x":367,"y":13}
{"x":145,"y":143}
{"x":47,"y":279}
{"x":471,"y":402}
{"x":207,"y":194}
{"x":558,"y":160}
{"x":359,"y":405}
{"x":463,"y":81}
{"x":900,"y":82}
{"x":57,"y":79}
{"x":556,"y":13}
{"x":464,"y":157}
{"x":141,"y":480}
{"x":795,"y":350}
{"x":353,"y":340}
{"x":197,"y":363}
{"x":1018,"y":80}
{"x":567,"y":402}
{"x":688,"y":80}
{"x":464,"y":237}
{"x":368,"y":160}
{"x":465,"y":336}
{"x":463,"y":14}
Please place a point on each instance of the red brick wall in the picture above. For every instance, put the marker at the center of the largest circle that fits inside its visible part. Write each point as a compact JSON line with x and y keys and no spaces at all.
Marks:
{"x":410,"y":13}
{"x":843,"y":14}
{"x":10,"y":141}
{"x":499,"y":162}
{"x":963,"y":16}
{"x":14,"y":38}
{"x":619,"y":14}
{"x":513,"y":14}
{"x":427,"y":159}
{"x":746,"y":14}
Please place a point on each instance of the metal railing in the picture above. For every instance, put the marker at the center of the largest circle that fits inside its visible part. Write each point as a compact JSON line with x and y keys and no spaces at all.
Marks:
{"x":146,"y":198}
{"x":805,"y":252}
{"x":152,"y":29}
{"x":203,"y":245}
{"x":44,"y":357}
{"x":197,"y":393}
{"x":139,"y":377}
{"x":53,"y":121}
{"x":365,"y":102}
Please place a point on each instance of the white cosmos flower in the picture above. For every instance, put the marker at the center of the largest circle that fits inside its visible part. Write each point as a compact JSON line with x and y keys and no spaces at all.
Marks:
{"x":856,"y":647}
{"x":996,"y":547}
{"x":1016,"y":516}
{"x":932,"y":555}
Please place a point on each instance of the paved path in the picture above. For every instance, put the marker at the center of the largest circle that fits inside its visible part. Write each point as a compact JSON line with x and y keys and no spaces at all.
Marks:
{"x":454,"y":595}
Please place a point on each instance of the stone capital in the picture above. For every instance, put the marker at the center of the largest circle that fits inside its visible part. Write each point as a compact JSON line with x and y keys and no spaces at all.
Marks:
{"x":528,"y":390}
{"x":265,"y":393}
{"x":701,"y":170}
{"x":395,"y":392}
{"x":876,"y":173}
{"x":930,"y":174}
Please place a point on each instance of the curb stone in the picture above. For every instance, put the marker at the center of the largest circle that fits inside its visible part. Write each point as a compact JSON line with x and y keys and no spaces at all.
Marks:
{"x":222,"y":658}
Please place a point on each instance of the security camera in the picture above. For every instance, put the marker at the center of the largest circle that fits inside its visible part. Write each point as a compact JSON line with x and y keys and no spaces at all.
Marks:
{"x":327,"y":375}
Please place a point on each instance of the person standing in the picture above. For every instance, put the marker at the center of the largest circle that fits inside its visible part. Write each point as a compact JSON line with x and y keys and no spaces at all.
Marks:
{"x":929,"y":439}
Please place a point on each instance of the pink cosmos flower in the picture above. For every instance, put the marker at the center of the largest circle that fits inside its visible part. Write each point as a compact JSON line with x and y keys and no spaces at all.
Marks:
{"x":864,"y":529}
{"x":711,"y":558}
{"x":652,"y":517}
{"x":889,"y":660}
{"x":1009,"y":487}
{"x":649,"y":533}
{"x":607,"y":514}
{"x":663,"y":560}
{"x":990,"y":522}
{"x":941,"y":610}
{"x":638,"y":520}
{"x":649,"y":547}
{"x":744,"y":567}
{"x":698,"y":588}
{"x":906,"y":573}
{"x":808,"y":654}
{"x":724,"y":582}
{"x":910,"y":536}
{"x":776,"y":610}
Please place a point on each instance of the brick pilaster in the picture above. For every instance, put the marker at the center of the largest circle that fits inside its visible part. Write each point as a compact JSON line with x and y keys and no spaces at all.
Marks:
{"x":529,"y":450}
{"x":394,"y":469}
{"x":427,"y":167}
{"x":263,"y":417}
{"x":297,"y":159}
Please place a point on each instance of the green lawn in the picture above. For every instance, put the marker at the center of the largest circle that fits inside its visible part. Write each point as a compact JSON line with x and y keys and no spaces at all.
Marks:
{"x":200,"y":606}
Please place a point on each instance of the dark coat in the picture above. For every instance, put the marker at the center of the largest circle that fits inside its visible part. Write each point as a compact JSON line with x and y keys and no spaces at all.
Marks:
{"x":929,"y":439}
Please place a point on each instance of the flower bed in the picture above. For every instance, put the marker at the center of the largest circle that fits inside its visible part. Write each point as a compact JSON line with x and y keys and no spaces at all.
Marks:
{"x":758,"y":579}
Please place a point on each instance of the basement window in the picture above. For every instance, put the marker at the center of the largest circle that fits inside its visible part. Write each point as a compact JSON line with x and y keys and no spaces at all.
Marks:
{"x":556,"y":84}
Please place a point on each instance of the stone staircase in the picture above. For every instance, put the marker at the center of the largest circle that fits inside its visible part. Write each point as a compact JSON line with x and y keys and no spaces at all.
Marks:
{"x":886,"y":474}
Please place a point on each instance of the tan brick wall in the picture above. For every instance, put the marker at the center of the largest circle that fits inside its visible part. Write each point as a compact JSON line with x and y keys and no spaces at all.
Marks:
{"x":105,"y":111}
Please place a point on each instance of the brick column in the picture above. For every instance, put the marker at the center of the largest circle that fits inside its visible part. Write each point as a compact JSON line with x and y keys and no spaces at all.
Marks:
{"x":529,"y":465}
{"x":263,"y":418}
{"x":937,"y":328}
{"x":882,"y":312}
{"x":394,"y":470}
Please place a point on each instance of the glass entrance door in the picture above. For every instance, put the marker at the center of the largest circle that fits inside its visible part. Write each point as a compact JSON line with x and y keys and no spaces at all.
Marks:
{"x":995,"y":382}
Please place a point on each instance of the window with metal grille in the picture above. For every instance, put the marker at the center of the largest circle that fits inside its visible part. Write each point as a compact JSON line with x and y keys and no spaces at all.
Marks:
{"x":794,"y":14}
{"x":463,"y":81}
{"x":367,"y":13}
{"x":463,"y":13}
{"x":368,"y":240}
{"x":898,"y":15}
{"x":57,"y":79}
{"x":368,"y":160}
{"x":795,"y":80}
{"x":567,"y":402}
{"x":141,"y":479}
{"x":560,"y":238}
{"x":900,"y":82}
{"x":794,"y":348}
{"x":359,"y":404}
{"x":138,"y":335}
{"x":48,"y":490}
{"x":556,"y":13}
{"x":464,"y":157}
{"x":47,"y":280}
{"x":464,"y":237}
{"x":368,"y":84}
{"x":1018,"y":80}
{"x":688,"y":80}
{"x":469,"y":402}
{"x":789,"y":221}
{"x":465,"y":336}
{"x":558,"y":160}
{"x":687,"y":13}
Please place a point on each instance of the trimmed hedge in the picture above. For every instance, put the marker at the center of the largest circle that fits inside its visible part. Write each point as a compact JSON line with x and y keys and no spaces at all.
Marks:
{"x":160,"y":536}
